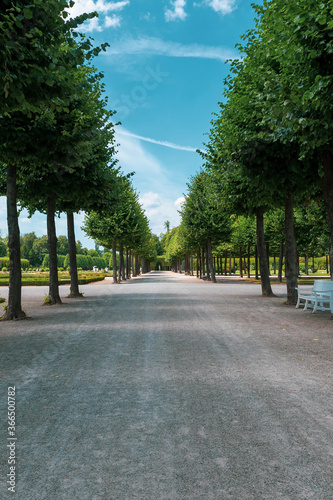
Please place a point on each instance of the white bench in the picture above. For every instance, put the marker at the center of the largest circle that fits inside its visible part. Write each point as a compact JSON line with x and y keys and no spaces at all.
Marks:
{"x":320,"y":298}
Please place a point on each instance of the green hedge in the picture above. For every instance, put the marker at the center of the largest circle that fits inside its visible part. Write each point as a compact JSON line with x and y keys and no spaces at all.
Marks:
{"x":60,"y":260}
{"x":86,"y":262}
{"x":83,"y":261}
{"x":4,"y":262}
{"x":44,"y":280}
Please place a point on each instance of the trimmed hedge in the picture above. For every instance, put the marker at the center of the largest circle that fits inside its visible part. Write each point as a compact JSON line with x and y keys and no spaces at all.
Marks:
{"x":44,"y":280}
{"x":83,"y":261}
{"x":4,"y":262}
{"x":60,"y":260}
{"x":86,"y":262}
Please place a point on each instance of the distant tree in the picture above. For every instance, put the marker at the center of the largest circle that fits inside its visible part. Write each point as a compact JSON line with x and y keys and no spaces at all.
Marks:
{"x":38,"y":251}
{"x":62,"y":245}
{"x":3,"y":248}
{"x":205,"y":218}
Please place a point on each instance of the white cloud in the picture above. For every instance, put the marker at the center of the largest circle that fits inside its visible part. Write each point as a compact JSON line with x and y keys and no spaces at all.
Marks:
{"x":222,"y":6}
{"x":151,"y":203}
{"x":102,"y":7}
{"x":156,"y":46}
{"x":155,"y":141}
{"x":150,"y":200}
{"x":112,"y":22}
{"x":178,"y":11}
{"x":91,"y":25}
{"x":178,"y":203}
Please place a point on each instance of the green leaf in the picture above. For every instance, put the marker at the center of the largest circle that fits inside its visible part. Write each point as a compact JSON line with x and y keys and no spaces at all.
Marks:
{"x":28,"y":13}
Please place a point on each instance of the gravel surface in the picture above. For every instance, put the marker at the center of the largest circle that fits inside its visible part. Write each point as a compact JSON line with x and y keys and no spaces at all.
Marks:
{"x":167,"y":387}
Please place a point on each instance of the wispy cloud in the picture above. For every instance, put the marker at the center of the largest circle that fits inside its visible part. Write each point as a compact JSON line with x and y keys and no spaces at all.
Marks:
{"x":102,"y":7}
{"x":177,"y":11}
{"x":155,"y":141}
{"x":157,"y":46}
{"x":158,"y":200}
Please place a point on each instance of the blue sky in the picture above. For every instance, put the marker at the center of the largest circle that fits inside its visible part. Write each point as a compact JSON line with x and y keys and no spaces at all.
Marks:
{"x":164,"y":73}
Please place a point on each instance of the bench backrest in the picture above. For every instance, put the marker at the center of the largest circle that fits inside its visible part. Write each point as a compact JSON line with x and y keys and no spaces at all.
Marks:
{"x":322,"y":286}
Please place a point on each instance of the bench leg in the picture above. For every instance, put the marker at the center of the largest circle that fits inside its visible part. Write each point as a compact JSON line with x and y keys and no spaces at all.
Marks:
{"x":316,"y":305}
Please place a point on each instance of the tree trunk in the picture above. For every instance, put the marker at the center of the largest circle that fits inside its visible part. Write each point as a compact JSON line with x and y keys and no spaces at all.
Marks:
{"x":203,"y":263}
{"x":249,"y":261}
{"x":145,"y":266}
{"x":230,"y":260}
{"x":74,"y":288}
{"x":210,"y":260}
{"x":266,"y":288}
{"x":256,"y":263}
{"x":137,"y":265}
{"x":134,"y":265}
{"x":127,"y":264}
{"x":267,"y":253}
{"x":279,"y":278}
{"x":52,"y":248}
{"x":290,"y":251}
{"x":114,"y":261}
{"x":298,"y":271}
{"x":240,"y":262}
{"x":327,"y":188}
{"x":14,"y":306}
{"x":122,"y":271}
{"x":207,"y":262}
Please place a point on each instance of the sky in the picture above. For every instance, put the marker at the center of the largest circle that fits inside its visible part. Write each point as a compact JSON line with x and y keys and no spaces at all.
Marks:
{"x":163,"y":74}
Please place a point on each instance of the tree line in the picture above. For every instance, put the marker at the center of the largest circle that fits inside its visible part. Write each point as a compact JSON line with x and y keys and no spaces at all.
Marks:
{"x":57,"y":145}
{"x":269,"y":153}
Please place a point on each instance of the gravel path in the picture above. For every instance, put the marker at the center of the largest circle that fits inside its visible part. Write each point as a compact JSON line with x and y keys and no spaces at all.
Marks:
{"x":167,"y":387}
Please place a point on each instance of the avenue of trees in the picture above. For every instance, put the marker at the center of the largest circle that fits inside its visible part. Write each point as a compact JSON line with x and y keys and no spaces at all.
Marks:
{"x":266,"y":184}
{"x":57,"y":144}
{"x":269,"y":154}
